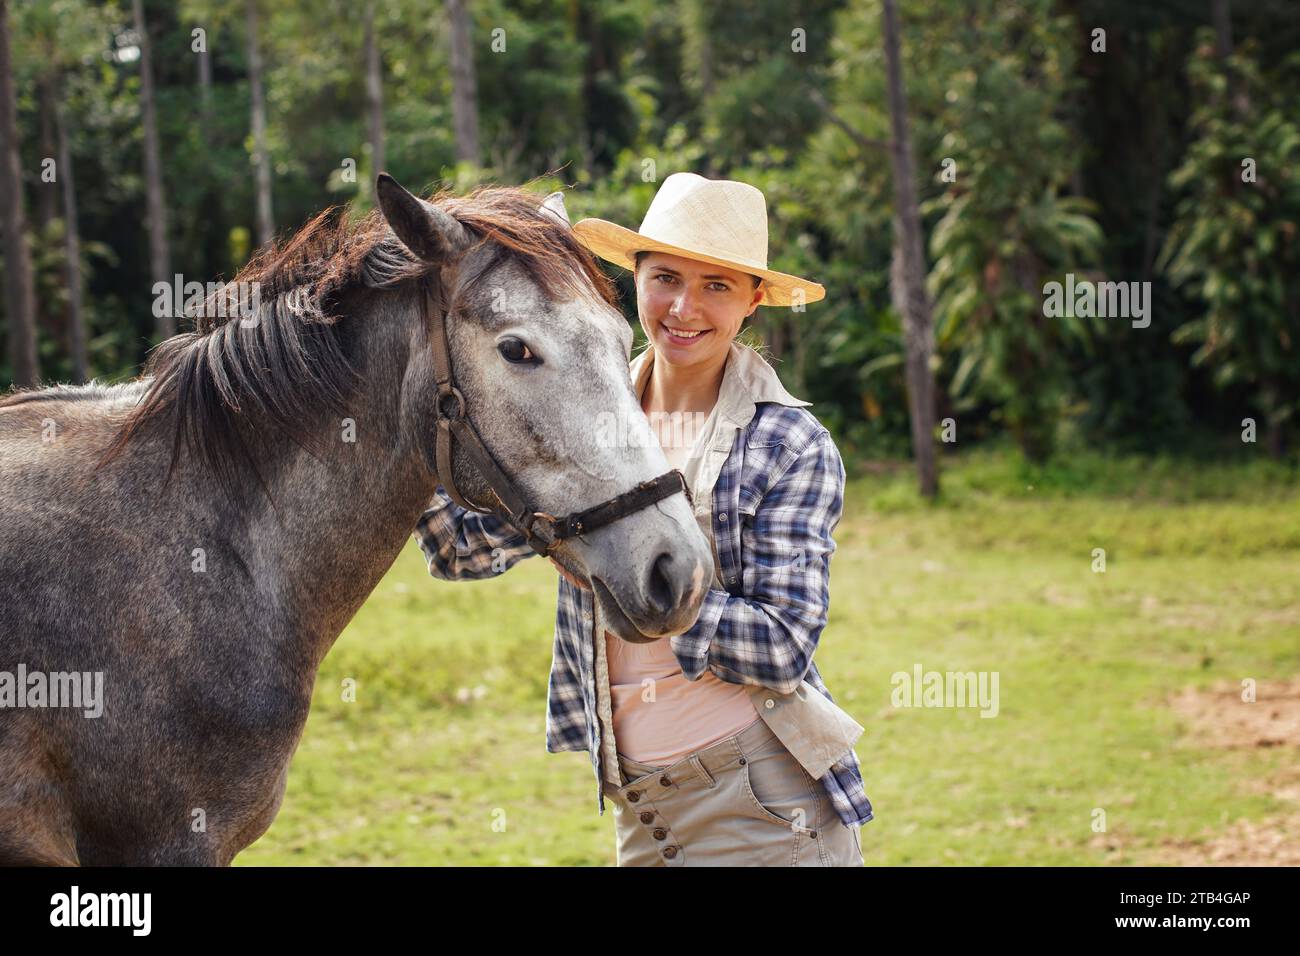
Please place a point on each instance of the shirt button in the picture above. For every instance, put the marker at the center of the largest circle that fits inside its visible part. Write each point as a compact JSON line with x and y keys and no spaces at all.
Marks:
{"x":723,"y":516}
{"x":769,"y":703}
{"x":633,"y":796}
{"x":660,"y":833}
{"x":647,"y":817}
{"x":670,"y":852}
{"x":665,"y":782}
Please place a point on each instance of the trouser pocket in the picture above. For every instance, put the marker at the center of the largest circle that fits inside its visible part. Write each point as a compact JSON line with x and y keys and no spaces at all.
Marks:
{"x":779,"y":789}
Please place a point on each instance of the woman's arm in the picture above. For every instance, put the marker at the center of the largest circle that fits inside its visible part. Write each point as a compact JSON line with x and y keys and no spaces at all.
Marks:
{"x":768,"y":636}
{"x":462,"y":545}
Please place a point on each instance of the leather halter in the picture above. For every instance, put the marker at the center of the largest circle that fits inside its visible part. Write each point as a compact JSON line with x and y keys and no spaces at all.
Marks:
{"x":543,"y":531}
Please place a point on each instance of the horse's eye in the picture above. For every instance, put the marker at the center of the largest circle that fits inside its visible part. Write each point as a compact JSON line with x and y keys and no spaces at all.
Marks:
{"x":517,"y":352}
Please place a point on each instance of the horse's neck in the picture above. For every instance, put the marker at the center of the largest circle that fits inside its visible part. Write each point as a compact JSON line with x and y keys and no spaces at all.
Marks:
{"x":340,"y":520}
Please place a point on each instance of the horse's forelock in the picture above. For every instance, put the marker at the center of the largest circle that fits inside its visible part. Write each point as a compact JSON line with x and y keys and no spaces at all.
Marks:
{"x":548,"y":249}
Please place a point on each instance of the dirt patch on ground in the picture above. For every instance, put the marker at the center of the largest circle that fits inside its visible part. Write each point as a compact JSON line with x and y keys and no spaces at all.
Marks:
{"x":1219,"y":718}
{"x":1273,"y":841}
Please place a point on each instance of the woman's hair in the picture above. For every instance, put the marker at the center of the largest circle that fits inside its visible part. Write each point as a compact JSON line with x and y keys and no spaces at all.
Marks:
{"x":748,"y":335}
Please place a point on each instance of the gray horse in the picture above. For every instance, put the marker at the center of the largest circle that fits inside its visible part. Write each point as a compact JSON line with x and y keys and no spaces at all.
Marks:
{"x":197,"y":539}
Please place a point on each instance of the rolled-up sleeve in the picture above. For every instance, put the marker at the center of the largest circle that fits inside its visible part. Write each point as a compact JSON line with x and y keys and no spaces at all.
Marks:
{"x":463,"y":545}
{"x":768,"y":636}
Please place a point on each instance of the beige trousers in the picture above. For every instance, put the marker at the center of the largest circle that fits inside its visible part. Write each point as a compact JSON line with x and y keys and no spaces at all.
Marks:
{"x":744,"y":801}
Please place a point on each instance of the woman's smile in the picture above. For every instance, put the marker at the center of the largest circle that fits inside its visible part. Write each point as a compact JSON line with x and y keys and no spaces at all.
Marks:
{"x":691,"y":310}
{"x":685,"y":337}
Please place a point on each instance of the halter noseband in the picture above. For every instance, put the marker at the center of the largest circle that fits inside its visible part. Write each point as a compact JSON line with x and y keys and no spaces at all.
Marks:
{"x":543,"y":531}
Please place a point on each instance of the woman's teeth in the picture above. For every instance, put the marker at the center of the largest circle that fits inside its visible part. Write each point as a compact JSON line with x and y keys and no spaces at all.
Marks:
{"x":685,"y":333}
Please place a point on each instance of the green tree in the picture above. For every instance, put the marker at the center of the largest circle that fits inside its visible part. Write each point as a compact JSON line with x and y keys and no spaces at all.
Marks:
{"x":1234,"y":243}
{"x":1007,"y":226}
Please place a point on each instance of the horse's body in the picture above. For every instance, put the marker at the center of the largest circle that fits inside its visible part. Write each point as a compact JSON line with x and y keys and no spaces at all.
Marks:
{"x":208,"y":606}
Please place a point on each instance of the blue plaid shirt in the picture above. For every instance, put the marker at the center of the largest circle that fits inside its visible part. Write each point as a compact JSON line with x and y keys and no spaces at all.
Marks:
{"x":777,"y":499}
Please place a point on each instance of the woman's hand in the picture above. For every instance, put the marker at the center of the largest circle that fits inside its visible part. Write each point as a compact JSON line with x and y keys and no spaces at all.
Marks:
{"x":575,"y":581}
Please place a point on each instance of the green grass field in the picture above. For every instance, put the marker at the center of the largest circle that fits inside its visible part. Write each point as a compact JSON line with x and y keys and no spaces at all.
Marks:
{"x":441,"y":758}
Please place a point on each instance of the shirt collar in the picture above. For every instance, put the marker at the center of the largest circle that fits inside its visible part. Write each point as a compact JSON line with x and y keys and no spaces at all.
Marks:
{"x":746,"y":381}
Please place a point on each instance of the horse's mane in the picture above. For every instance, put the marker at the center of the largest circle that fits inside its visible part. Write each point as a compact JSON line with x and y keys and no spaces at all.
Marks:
{"x":291,"y":363}
{"x":92,"y":391}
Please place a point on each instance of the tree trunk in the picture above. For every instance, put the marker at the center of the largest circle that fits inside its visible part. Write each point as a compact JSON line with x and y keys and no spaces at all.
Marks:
{"x":159,"y":251}
{"x":51,"y":322}
{"x":1221,"y":14}
{"x":1272,"y":403}
{"x":374,"y":96}
{"x":261,"y":160}
{"x":1276,"y":443}
{"x":47,"y":199}
{"x":20,"y":296}
{"x":908,"y":274}
{"x":699,"y":46}
{"x":205,"y":89}
{"x":72,"y":242}
{"x":1222,"y":17}
{"x":706,"y":65}
{"x":699,"y":53}
{"x":464,"y":89}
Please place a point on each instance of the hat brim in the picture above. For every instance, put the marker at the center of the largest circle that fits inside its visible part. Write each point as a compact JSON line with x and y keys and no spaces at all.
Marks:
{"x":619,"y":245}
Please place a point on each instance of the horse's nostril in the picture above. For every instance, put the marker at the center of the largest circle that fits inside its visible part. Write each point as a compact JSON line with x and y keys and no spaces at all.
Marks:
{"x":662,"y":591}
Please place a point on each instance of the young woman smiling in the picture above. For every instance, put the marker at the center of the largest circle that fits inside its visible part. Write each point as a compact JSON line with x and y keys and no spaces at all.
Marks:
{"x":720,"y":745}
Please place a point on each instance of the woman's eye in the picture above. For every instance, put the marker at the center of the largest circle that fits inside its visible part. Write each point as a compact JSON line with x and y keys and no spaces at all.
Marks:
{"x":665,"y":278}
{"x":720,"y":286}
{"x":513,"y":350}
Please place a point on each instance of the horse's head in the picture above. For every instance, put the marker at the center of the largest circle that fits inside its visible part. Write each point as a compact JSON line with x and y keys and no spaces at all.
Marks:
{"x":541,"y":354}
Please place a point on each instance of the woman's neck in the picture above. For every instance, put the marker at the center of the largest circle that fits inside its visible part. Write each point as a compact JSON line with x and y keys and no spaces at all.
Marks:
{"x":683,"y":388}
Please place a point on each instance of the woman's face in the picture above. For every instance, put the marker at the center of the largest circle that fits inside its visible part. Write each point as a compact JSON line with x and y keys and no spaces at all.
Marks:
{"x":675,"y":294}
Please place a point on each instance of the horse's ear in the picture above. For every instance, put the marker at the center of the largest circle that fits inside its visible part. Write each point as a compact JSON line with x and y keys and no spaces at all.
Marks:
{"x":426,"y":230}
{"x":554,"y":205}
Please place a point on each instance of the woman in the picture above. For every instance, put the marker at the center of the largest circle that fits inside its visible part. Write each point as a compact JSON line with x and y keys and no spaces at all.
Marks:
{"x":721,"y":745}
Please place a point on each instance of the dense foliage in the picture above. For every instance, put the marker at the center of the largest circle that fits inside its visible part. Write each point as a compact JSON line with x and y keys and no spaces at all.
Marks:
{"x":1039,"y":155}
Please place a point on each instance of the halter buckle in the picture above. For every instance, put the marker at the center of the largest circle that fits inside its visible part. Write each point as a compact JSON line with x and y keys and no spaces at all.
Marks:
{"x":528,"y":523}
{"x":458,"y":414}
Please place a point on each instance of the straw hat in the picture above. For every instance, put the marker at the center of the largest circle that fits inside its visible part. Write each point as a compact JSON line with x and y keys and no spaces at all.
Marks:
{"x":714,"y":220}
